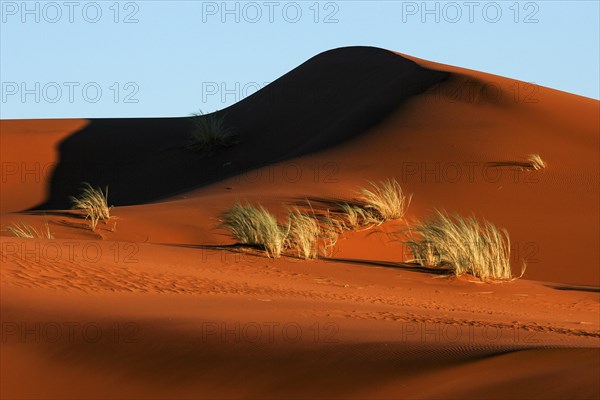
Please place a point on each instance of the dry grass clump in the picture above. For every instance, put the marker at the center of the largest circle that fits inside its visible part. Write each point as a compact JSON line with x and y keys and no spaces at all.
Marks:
{"x":464,"y":245}
{"x":329,"y":231}
{"x":535,"y":162}
{"x":26,"y":231}
{"x":382,"y":202}
{"x":448,"y":241}
{"x":310,"y":234}
{"x":355,"y":217}
{"x":94,"y":202}
{"x":385,"y":201}
{"x":255,"y":226}
{"x":209,"y":133}
{"x":305,"y":234}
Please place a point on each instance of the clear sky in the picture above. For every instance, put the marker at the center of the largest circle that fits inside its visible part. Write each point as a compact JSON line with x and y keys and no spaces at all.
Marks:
{"x":171,"y":58}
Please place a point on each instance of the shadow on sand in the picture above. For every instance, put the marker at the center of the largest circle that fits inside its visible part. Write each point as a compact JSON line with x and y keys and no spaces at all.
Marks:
{"x":332,"y":97}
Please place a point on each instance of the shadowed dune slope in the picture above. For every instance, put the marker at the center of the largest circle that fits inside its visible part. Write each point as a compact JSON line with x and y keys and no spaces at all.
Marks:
{"x":332,"y":97}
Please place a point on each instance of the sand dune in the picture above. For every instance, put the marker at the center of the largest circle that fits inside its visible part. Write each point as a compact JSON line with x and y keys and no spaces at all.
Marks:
{"x":154,"y":304}
{"x":347,"y":91}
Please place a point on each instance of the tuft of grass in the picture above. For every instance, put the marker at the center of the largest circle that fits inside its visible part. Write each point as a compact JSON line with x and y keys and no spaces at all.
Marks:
{"x":26,"y":231}
{"x":256,"y":226}
{"x":535,"y":162}
{"x":329,"y":236}
{"x":385,"y":200}
{"x":304,"y":234}
{"x":355,"y":217}
{"x":209,"y":133}
{"x":464,"y":245}
{"x":94,"y":202}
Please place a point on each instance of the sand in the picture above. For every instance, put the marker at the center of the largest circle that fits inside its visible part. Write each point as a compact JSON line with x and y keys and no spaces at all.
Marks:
{"x":148,"y":307}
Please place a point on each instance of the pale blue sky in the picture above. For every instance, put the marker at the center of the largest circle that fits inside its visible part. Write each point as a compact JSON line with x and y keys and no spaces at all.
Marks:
{"x":175,"y":57}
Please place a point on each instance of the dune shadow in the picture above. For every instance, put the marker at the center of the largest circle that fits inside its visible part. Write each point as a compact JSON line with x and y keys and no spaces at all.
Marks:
{"x":391,"y":264}
{"x":324,"y":206}
{"x":334,"y":96}
{"x":58,"y":213}
{"x":259,"y":252}
{"x":510,"y":164}
{"x":236,"y":248}
{"x":77,"y":219}
{"x":578,"y":288}
{"x":324,"y":202}
{"x":174,"y":357}
{"x":227,"y":247}
{"x":74,"y":225}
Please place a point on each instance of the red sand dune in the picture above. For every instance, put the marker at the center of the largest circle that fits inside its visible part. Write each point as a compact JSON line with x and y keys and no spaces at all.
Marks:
{"x":178,"y":318}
